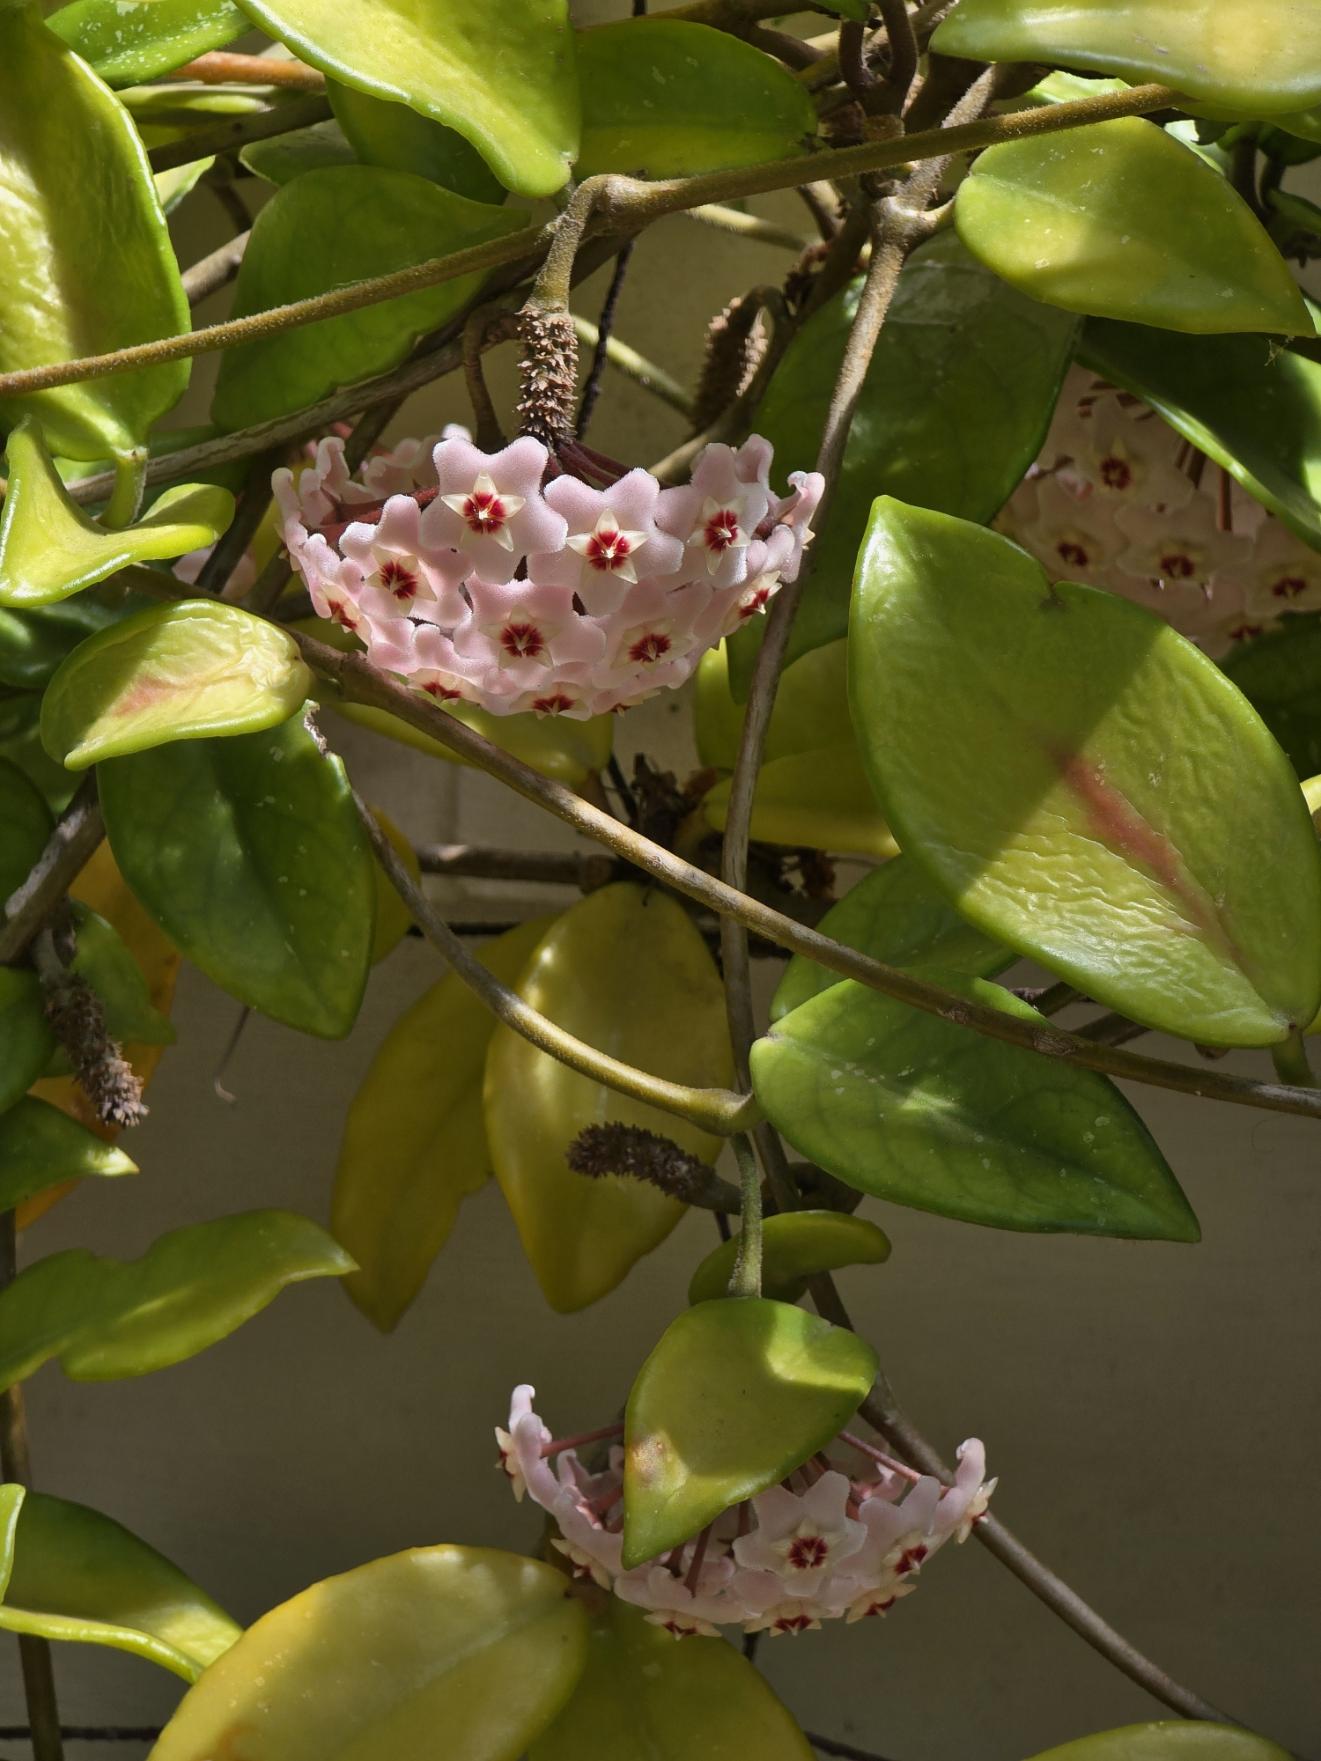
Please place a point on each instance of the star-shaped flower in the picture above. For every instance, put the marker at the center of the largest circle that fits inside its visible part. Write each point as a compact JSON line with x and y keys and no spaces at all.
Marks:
{"x":490,"y":507}
{"x":802,"y":1538}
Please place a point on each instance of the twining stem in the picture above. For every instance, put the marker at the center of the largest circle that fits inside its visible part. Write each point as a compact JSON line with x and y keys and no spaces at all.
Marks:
{"x":16,"y":1466}
{"x":716,"y":1110}
{"x":360,"y":682}
{"x":77,"y":833}
{"x":746,"y":1277}
{"x":617,"y":204}
{"x":1292,"y":1063}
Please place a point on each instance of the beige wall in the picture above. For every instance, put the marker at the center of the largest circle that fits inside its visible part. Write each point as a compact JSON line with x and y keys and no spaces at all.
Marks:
{"x":1152,"y":1411}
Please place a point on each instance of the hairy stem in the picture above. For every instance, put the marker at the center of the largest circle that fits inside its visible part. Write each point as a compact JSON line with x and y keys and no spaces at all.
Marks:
{"x":616,"y":204}
{"x":716,"y":1110}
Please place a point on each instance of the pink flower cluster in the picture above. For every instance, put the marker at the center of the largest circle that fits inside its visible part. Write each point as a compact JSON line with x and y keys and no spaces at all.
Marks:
{"x":1119,"y":500}
{"x":502,"y":580}
{"x":830,"y":1542}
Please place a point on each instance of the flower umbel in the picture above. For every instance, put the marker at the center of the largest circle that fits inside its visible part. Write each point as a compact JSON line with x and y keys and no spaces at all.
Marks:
{"x":503,"y":579}
{"x":839,"y":1539}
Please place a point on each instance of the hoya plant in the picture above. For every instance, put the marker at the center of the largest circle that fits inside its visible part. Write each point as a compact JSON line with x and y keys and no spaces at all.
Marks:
{"x":985,"y":587}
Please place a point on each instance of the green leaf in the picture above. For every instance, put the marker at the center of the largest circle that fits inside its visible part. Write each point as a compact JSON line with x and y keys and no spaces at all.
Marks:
{"x":796,"y":1245}
{"x":33,"y":643}
{"x":665,"y":98}
{"x":1168,"y":1741}
{"x":955,"y":407}
{"x":399,"y":139}
{"x":341,"y":224}
{"x":1122,"y":221}
{"x":88,"y":263}
{"x":657,"y":1004}
{"x":644,"y":1698}
{"x":735,"y":1396}
{"x":508,"y":85}
{"x":50,"y":549}
{"x":1280,"y":675}
{"x":898,"y":916}
{"x":128,"y":45}
{"x":249,"y":854}
{"x":284,"y":157}
{"x":819,"y":798}
{"x":104,"y":1319}
{"x":20,"y":745}
{"x":77,"y":1575}
{"x":172,"y":672}
{"x":1084,"y":784}
{"x":917,"y":1109}
{"x":25,"y":825}
{"x":40,"y":1147}
{"x":103,"y":958}
{"x":811,"y":707}
{"x":1258,"y":56}
{"x":481,"y":1646}
{"x":26,"y":1041}
{"x":414,"y":1142}
{"x":1255,"y":410}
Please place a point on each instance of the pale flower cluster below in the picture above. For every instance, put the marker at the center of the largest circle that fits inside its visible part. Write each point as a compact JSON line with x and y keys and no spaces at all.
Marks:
{"x":1119,"y":500}
{"x":499,"y":579}
{"x":830,"y":1543}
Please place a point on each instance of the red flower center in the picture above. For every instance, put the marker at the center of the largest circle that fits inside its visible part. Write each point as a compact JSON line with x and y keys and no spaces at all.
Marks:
{"x":484,"y":511}
{"x":721,"y":530}
{"x":401,"y":581}
{"x":341,"y":615}
{"x":1071,"y":552}
{"x":882,"y":1607}
{"x":1116,"y":473}
{"x":650,"y":647}
{"x":910,"y":1560}
{"x":1178,"y":565}
{"x":806,"y":1552}
{"x":754,"y":602}
{"x":1245,"y":632}
{"x":446,"y":693}
{"x":555,"y":704}
{"x":608,"y":550}
{"x":793,"y":1623}
{"x":1289,"y":587}
{"x":522,"y":640}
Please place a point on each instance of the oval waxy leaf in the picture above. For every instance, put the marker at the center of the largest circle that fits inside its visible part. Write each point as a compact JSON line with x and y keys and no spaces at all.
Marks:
{"x":414,"y":1142}
{"x":1255,"y":411}
{"x":26,"y":1041}
{"x":76,"y":1575}
{"x":508,"y":85}
{"x":249,"y":854}
{"x":285,"y":157}
{"x":481,"y":1646}
{"x":735,"y":1396}
{"x":811,"y":707}
{"x":897,"y":915}
{"x":25,"y":825}
{"x":921,"y":1111}
{"x":50,"y":549}
{"x":340,"y":224}
{"x":88,"y":263}
{"x":399,"y":138}
{"x":1257,"y":56}
{"x":665,"y":98}
{"x":796,"y":1245}
{"x":34,"y":642}
{"x":102,"y":957}
{"x":1123,"y":790}
{"x":104,"y":1319}
{"x":644,"y":1698}
{"x":1280,"y":675}
{"x":129,"y":45}
{"x":172,"y":672}
{"x":656,"y":1002}
{"x":819,"y":798}
{"x":955,"y":407}
{"x":41,"y":1147}
{"x":1122,"y":221}
{"x":1172,"y":1740}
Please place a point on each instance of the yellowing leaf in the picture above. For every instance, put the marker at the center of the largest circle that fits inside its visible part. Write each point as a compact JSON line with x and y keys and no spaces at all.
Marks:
{"x":414,"y":1142}
{"x":625,"y":970}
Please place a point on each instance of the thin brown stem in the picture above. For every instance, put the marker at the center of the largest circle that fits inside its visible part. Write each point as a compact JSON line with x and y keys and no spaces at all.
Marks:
{"x":615,"y":203}
{"x":34,"y":1654}
{"x":210,"y":273}
{"x":77,"y":833}
{"x":604,"y":331}
{"x":224,"y":67}
{"x":360,"y":682}
{"x":228,"y":137}
{"x":903,"y":53}
{"x":716,"y":1110}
